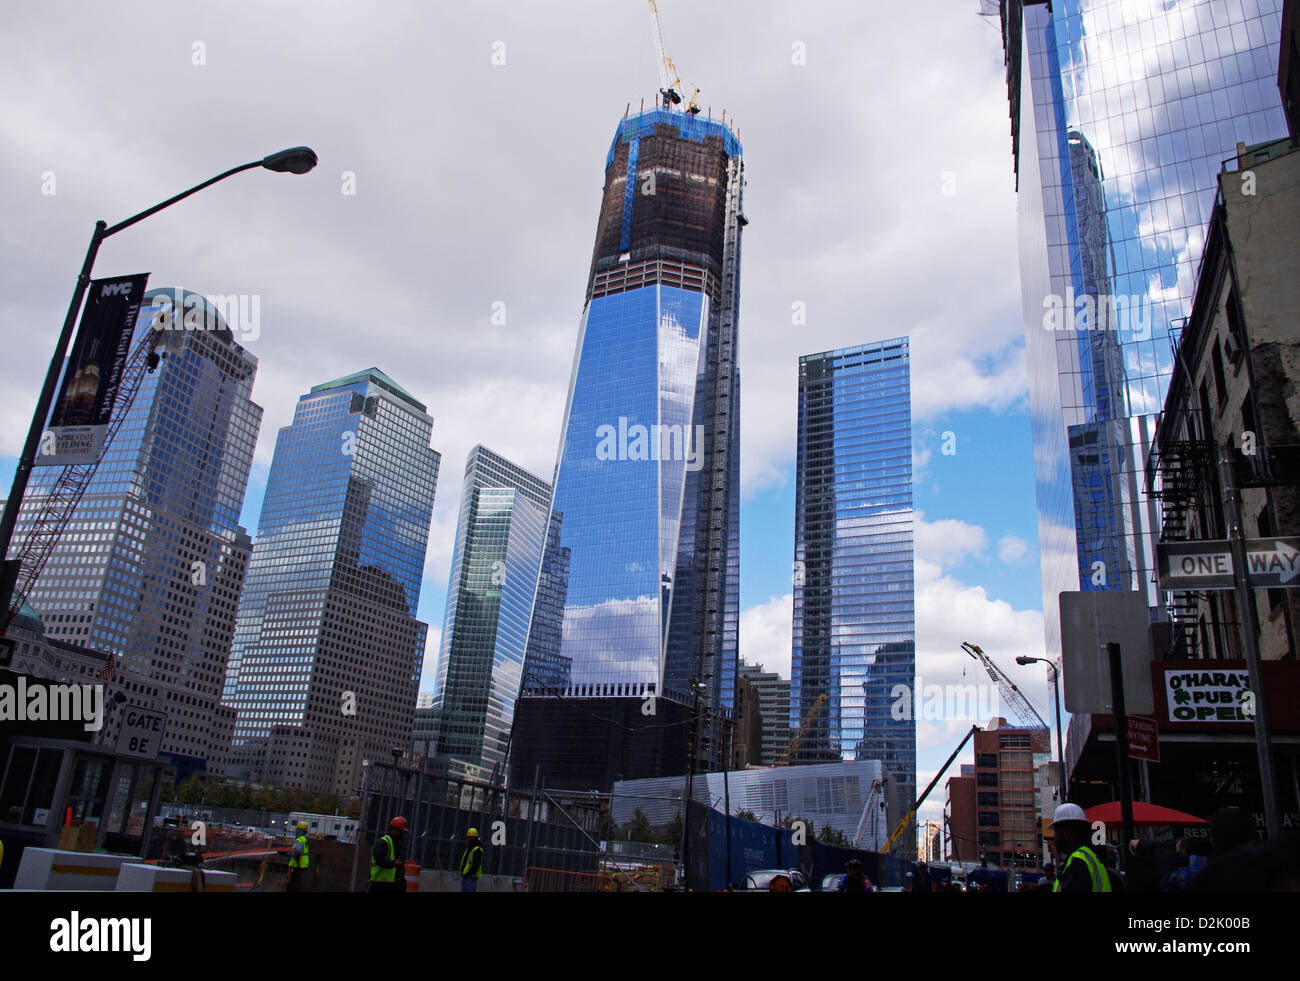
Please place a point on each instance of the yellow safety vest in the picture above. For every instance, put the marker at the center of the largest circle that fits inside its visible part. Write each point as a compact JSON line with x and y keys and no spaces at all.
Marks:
{"x":1096,"y":871}
{"x":378,"y":874}
{"x":303,"y":860}
{"x":469,"y":855}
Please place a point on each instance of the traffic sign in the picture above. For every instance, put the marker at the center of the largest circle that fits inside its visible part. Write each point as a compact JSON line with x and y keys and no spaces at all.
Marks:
{"x":1143,"y":739}
{"x":1272,"y":563}
{"x":141,"y":733}
{"x":1091,"y":620}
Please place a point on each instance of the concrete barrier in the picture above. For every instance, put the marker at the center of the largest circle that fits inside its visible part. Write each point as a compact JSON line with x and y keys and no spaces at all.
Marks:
{"x":54,"y":868}
{"x":433,"y":880}
{"x":152,"y":878}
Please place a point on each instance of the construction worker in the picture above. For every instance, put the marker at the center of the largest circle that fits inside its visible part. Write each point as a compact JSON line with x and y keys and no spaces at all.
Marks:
{"x":385,"y":863}
{"x":471,"y":863}
{"x":854,"y":879}
{"x":1081,"y":870}
{"x":299,"y":859}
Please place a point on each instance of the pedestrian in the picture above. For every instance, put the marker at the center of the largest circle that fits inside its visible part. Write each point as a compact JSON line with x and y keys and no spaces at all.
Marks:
{"x":854,"y":880}
{"x":922,"y":881}
{"x":1082,"y":870}
{"x":385,"y":860}
{"x":471,"y":863}
{"x":299,"y":859}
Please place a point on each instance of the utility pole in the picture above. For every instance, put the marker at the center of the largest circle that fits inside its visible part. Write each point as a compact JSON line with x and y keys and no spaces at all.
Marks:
{"x":1245,"y":596}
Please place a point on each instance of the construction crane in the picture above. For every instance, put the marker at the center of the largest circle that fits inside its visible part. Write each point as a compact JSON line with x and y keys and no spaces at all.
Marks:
{"x":875,"y":801}
{"x":897,"y":833}
{"x":60,"y":503}
{"x":670,"y":83}
{"x":808,"y":718}
{"x":1011,"y":695}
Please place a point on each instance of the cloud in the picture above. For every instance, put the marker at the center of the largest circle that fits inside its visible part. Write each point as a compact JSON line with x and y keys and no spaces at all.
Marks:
{"x":948,"y":541}
{"x":1011,"y":549}
{"x":766,"y":632}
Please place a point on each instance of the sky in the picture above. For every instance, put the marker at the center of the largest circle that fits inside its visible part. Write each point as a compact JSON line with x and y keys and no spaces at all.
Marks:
{"x":446,"y":236}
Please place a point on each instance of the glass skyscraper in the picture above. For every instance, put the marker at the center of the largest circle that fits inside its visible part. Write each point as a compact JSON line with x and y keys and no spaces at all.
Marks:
{"x":647,"y":478}
{"x":151,"y":564}
{"x":500,"y":535}
{"x":327,"y":649}
{"x":1121,"y":116}
{"x":854,"y":607}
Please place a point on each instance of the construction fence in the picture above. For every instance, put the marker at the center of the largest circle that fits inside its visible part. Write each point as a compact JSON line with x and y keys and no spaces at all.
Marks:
{"x":518,"y":829}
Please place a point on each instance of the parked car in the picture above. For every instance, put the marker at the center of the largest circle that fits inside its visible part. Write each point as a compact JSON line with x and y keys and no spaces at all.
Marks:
{"x":761,"y":880}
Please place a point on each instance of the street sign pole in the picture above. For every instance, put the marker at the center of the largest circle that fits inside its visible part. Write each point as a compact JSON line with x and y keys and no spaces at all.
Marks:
{"x":1249,"y":638}
{"x":1121,"y":749}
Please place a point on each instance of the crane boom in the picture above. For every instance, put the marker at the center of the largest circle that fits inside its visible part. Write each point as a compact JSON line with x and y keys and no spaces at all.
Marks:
{"x":661,"y":60}
{"x":1023,"y":708}
{"x":902,"y":825}
{"x":803,"y":730}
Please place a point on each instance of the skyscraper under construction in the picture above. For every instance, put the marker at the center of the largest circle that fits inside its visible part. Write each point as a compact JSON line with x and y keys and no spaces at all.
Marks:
{"x":647,"y":476}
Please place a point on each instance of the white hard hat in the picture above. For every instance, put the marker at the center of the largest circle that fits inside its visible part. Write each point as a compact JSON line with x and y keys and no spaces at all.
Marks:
{"x":1068,"y":812}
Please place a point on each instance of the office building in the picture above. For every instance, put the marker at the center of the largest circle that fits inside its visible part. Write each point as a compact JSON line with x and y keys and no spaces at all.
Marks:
{"x":769,"y":703}
{"x":1121,"y":115}
{"x":327,"y":651}
{"x":1007,"y":796}
{"x":854,"y":608}
{"x":500,"y":535}
{"x":151,"y":564}
{"x":647,"y":477}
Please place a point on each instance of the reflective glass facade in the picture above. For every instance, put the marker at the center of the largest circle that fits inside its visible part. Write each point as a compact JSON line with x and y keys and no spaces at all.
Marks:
{"x":647,"y":477}
{"x":1122,"y":115}
{"x":330,"y":602}
{"x":153,"y":559}
{"x":500,"y":535}
{"x":854,"y":609}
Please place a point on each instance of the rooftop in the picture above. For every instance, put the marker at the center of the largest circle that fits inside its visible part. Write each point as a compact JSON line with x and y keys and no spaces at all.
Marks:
{"x":373,"y":374}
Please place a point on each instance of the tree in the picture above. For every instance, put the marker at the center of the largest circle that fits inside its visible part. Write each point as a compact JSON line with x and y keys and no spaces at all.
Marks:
{"x":831,"y":836}
{"x":673,"y":832}
{"x":191,"y":791}
{"x":638,"y":829}
{"x":747,"y":815}
{"x":353,"y":810}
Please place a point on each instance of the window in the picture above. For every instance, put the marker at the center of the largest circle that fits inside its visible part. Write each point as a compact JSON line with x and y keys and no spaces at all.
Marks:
{"x":987,"y":760}
{"x":988,"y":819}
{"x":1220,"y":381}
{"x":987,"y":799}
{"x":986,"y":779}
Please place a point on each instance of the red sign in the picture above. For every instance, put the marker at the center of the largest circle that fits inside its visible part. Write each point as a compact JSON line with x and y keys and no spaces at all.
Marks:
{"x":1143,"y":741}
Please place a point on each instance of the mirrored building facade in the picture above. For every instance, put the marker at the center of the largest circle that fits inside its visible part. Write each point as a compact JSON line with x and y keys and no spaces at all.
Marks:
{"x":647,"y":478}
{"x":500,"y":535}
{"x":327,"y":649}
{"x":150,"y":567}
{"x":854,"y":604}
{"x":1121,"y":117}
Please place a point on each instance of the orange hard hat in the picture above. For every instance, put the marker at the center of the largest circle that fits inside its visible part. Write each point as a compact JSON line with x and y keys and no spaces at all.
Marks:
{"x":398,"y":822}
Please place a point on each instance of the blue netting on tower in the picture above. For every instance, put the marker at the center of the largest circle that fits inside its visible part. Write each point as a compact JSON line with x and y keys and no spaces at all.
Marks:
{"x":690,"y":127}
{"x":629,"y":191}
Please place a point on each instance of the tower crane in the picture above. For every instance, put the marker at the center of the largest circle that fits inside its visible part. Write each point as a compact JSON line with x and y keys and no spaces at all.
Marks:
{"x":1024,"y":710}
{"x":808,"y":718}
{"x":670,"y":83}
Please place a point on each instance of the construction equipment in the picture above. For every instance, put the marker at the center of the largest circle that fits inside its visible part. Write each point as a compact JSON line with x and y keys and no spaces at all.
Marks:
{"x":1011,"y":695}
{"x":897,"y":833}
{"x":670,"y":83}
{"x":808,"y":718}
{"x":875,"y":801}
{"x":60,"y":503}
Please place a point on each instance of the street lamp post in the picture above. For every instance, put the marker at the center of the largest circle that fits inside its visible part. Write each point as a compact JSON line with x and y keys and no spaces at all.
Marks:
{"x":1060,"y":743}
{"x":296,"y":160}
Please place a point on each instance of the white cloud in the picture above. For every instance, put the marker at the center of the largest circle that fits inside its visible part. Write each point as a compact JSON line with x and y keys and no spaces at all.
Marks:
{"x":947,"y":541}
{"x":766,"y":632}
{"x":1012,"y":549}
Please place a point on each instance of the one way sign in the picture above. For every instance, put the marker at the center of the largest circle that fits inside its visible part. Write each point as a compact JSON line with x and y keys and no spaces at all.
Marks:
{"x":1271,"y":563}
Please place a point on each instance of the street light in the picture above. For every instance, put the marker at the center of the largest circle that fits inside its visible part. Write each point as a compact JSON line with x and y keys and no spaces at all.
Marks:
{"x":295,"y":160}
{"x":1060,"y":744}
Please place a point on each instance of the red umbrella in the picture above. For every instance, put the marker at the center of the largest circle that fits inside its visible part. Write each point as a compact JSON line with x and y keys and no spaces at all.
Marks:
{"x":1144,"y":815}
